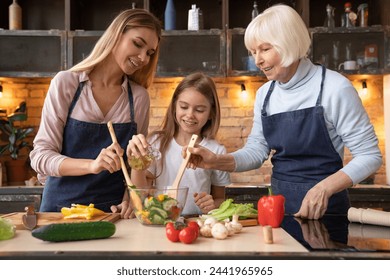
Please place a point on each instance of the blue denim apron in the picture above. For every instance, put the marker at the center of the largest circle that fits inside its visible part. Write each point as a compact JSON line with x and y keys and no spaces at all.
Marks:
{"x":304,"y":154}
{"x":86,"y":140}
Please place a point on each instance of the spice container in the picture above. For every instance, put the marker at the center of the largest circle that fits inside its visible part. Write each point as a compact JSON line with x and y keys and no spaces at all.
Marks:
{"x":363,"y":15}
{"x":371,"y":56}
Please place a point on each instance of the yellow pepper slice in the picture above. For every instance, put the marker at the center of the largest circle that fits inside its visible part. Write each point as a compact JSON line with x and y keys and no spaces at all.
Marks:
{"x":81,"y":211}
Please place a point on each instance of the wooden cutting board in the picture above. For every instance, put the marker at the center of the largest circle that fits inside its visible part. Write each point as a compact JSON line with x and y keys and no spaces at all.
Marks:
{"x":248,"y":222}
{"x":56,"y":218}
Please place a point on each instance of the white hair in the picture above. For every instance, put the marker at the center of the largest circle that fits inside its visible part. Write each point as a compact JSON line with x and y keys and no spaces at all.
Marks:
{"x":283,"y":28}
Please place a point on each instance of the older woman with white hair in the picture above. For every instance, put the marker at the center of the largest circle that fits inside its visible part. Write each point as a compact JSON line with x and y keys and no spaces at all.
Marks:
{"x":305,"y":114}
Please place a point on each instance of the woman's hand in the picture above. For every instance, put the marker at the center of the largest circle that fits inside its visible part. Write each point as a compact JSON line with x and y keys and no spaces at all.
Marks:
{"x":315,"y":203}
{"x":108,"y":159}
{"x":124,"y":208}
{"x":204,"y":201}
{"x":200,"y":157}
{"x":137,"y":146}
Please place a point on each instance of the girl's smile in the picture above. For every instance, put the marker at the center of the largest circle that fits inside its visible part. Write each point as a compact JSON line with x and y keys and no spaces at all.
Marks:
{"x":192,"y":112}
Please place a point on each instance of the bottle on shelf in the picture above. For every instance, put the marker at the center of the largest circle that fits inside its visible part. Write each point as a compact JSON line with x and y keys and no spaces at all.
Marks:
{"x":15,"y":16}
{"x":363,"y":15}
{"x":336,"y":54}
{"x":329,"y":20}
{"x":170,"y":16}
{"x":255,"y":11}
{"x":348,"y":18}
{"x":195,"y":18}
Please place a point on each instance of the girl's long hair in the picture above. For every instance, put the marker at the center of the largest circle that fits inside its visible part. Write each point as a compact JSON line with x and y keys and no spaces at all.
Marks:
{"x":170,"y":126}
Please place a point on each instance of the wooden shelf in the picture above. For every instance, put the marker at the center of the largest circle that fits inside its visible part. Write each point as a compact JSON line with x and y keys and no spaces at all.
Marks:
{"x":59,"y":33}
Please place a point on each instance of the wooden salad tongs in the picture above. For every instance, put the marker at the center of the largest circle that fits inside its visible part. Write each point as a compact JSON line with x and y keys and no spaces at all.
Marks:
{"x":183,"y":166}
{"x":134,"y":197}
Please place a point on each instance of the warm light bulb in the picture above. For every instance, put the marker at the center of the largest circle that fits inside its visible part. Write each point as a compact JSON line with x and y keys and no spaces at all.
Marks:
{"x":364,"y":90}
{"x":244,"y":93}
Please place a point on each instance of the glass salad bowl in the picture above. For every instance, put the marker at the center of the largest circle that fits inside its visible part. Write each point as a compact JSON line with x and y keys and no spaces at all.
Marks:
{"x":158,"y":206}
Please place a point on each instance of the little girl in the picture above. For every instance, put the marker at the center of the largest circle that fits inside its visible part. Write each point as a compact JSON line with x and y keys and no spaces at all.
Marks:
{"x":194,"y":109}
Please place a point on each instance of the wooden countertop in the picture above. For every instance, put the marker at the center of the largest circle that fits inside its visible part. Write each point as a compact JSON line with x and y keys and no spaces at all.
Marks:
{"x":135,"y":241}
{"x":132,"y":237}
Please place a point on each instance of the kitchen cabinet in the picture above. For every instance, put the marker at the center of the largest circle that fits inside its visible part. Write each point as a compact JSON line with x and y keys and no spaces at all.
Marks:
{"x":15,"y":199}
{"x":80,"y":44}
{"x":367,"y":46}
{"x":59,"y":33}
{"x":26,"y":53}
{"x":184,"y":52}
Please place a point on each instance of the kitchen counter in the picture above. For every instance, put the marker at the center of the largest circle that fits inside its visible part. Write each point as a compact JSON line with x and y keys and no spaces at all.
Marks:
{"x":331,"y":238}
{"x":16,"y":198}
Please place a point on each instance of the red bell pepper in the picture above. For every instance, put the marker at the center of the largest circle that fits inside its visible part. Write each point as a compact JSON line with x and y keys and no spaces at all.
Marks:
{"x":270,"y":209}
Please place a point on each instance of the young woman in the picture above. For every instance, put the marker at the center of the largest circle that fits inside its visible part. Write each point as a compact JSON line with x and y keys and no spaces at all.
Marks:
{"x":306,"y":114}
{"x":194,"y":109}
{"x":73,"y":151}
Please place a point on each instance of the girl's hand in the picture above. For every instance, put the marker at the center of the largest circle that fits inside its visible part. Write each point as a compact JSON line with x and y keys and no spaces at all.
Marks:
{"x":125,"y":209}
{"x":138,"y":146}
{"x":108,"y":159}
{"x":204,"y":201}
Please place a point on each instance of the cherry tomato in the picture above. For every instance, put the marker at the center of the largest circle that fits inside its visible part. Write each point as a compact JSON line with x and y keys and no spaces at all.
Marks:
{"x":187,"y":235}
{"x":195,"y":226}
{"x":171,"y":232}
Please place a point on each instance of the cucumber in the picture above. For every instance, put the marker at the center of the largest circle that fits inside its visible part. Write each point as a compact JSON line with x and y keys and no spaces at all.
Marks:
{"x":74,"y":231}
{"x":160,"y":211}
{"x":157,"y":219}
{"x":169,"y":203}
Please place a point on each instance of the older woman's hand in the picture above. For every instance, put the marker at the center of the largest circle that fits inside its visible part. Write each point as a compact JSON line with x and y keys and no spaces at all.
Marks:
{"x":314,"y":204}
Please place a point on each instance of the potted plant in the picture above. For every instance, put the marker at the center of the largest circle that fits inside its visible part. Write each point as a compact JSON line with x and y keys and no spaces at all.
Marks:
{"x":12,"y":141}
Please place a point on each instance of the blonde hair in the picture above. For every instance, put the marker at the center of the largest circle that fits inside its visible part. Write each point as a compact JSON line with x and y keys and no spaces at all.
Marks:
{"x":126,"y":20}
{"x":283,"y":28}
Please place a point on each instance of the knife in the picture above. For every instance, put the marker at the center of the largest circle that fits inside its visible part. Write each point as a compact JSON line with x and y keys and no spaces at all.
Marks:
{"x":30,"y":218}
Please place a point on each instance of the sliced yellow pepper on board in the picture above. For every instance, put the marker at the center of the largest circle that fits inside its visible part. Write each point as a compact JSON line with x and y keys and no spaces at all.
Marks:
{"x":81,"y":211}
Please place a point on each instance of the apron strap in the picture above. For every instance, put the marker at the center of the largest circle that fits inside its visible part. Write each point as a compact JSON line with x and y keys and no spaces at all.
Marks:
{"x":318,"y":103}
{"x":75,"y":98}
{"x":266,"y":100}
{"x":130,"y":95}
